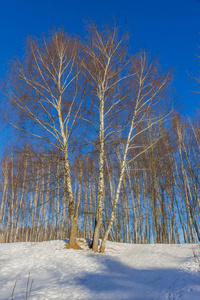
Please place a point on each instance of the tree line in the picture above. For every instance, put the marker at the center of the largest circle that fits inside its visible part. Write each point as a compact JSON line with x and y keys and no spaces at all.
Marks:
{"x":103,"y":153}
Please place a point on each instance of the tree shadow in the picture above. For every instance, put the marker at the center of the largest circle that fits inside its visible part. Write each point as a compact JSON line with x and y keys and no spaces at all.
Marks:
{"x":116,"y":280}
{"x":65,"y":240}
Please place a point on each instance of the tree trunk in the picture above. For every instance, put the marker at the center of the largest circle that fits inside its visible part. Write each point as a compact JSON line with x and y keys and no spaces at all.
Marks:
{"x":73,"y":231}
{"x":99,"y":211}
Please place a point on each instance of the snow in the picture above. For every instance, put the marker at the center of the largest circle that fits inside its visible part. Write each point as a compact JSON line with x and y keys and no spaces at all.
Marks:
{"x":125,"y":271}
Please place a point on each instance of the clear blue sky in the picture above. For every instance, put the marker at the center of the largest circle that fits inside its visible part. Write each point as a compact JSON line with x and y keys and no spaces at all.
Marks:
{"x":168,"y":28}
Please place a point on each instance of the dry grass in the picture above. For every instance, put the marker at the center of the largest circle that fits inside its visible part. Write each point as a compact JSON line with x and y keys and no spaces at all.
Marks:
{"x":28,"y":288}
{"x":196,"y":254}
{"x":82,"y":244}
{"x":76,"y":247}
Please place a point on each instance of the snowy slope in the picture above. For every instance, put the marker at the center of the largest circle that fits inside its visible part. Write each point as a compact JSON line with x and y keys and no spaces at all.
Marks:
{"x":124,"y":272}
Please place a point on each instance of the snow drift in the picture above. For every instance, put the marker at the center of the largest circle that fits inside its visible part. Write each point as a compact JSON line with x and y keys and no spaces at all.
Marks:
{"x":126,"y":271}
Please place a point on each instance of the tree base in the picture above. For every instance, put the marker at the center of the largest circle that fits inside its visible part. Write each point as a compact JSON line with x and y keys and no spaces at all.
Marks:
{"x":76,"y":247}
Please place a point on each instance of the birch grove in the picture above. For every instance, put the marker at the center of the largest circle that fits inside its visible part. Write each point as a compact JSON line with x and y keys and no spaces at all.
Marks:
{"x":102,"y":154}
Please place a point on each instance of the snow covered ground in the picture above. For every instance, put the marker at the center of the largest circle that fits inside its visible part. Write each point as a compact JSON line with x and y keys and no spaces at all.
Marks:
{"x":125,"y":272}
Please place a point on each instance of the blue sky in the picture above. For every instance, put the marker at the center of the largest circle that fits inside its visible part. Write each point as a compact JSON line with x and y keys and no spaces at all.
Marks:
{"x":170,"y":29}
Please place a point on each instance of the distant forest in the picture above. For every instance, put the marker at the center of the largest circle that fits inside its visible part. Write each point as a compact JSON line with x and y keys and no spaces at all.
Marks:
{"x":102,"y":151}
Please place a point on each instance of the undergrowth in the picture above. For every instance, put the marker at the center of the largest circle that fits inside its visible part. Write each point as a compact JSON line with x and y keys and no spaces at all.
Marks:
{"x":196,"y":255}
{"x":28,"y":288}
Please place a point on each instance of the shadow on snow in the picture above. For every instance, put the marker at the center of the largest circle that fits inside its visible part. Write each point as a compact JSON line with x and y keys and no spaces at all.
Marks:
{"x":120,"y":281}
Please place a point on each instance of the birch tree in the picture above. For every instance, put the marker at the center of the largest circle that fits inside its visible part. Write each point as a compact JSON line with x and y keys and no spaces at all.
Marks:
{"x":45,"y":100}
{"x":105,"y":66}
{"x":148,"y":92}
